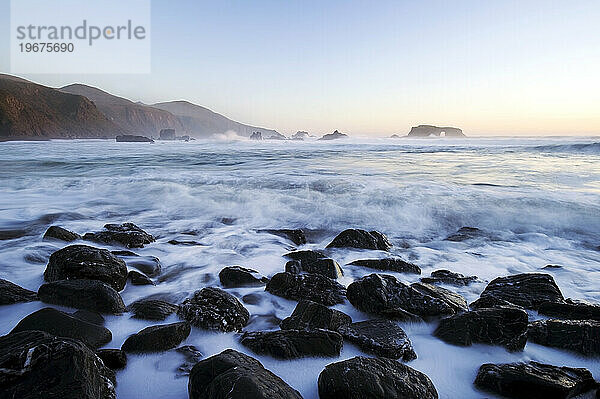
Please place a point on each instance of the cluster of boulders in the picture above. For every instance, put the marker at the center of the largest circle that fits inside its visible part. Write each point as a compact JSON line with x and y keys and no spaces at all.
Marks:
{"x":48,"y":342}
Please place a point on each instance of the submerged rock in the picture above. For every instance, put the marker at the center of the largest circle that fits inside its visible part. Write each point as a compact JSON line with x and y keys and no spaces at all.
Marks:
{"x":34,"y":365}
{"x":313,"y":287}
{"x":152,"y":309}
{"x":311,"y":315}
{"x":389,"y":264}
{"x":192,"y":356}
{"x":448,"y":277}
{"x":356,"y":238}
{"x":114,"y":359}
{"x":373,"y":378}
{"x":571,"y":310}
{"x":294,"y":235}
{"x":157,"y":338}
{"x":380,"y":337}
{"x":82,"y":294}
{"x":82,"y":262}
{"x":496,"y":326}
{"x":237,"y":276}
{"x":11,"y":293}
{"x":214,"y":309}
{"x":137,"y":278}
{"x":233,"y":375}
{"x":534,"y":380}
{"x":127,"y":234}
{"x":582,"y":336}
{"x":58,"y":233}
{"x":149,"y":265}
{"x":293,"y":344}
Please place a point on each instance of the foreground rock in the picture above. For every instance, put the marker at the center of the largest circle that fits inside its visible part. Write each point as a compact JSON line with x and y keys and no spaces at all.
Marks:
{"x":380,"y":337}
{"x":534,"y":380}
{"x":82,"y":294}
{"x":356,"y":238}
{"x":373,"y":378}
{"x":571,"y":309}
{"x":311,"y":315}
{"x":582,"y":336}
{"x":58,"y":233}
{"x":11,"y":293}
{"x":326,"y":267}
{"x":34,"y":365}
{"x":389,"y":264}
{"x":82,"y":262}
{"x":313,"y":287}
{"x":214,"y":309}
{"x":114,"y":359}
{"x":448,"y":277}
{"x":157,"y":338}
{"x":496,"y":326}
{"x":137,"y":278}
{"x":293,"y":344}
{"x":528,"y":290}
{"x":152,"y":309}
{"x":233,"y":375}
{"x":60,"y":324}
{"x":237,"y":276}
{"x":294,"y":235}
{"x":127,"y":234}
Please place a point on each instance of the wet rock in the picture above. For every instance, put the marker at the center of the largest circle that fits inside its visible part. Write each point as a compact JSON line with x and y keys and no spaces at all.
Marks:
{"x":89,"y":316}
{"x":192,"y":356}
{"x":252,"y":299}
{"x":185,"y":243}
{"x":82,"y":294}
{"x":374,"y":378}
{"x":313,"y":287}
{"x":326,"y":267}
{"x":127,"y":234}
{"x":152,"y":309}
{"x":493,"y":302}
{"x":495,"y":326}
{"x":534,"y":380}
{"x":35,"y":365}
{"x":448,"y":277}
{"x":149,"y":265}
{"x":311,"y":315}
{"x":61,"y":324}
{"x":293,"y":266}
{"x":380,"y":337}
{"x":356,"y":238}
{"x":294,"y":235}
{"x":293,"y":344}
{"x":305,"y":256}
{"x":528,"y":290}
{"x":233,"y":375}
{"x":465,"y":233}
{"x":157,"y":338}
{"x":237,"y":276}
{"x":82,"y":262}
{"x":452,"y":299}
{"x":571,"y":310}
{"x":390,"y":264}
{"x":58,"y":233}
{"x":11,"y":293}
{"x":214,"y":309}
{"x":552,"y":267}
{"x":137,"y":278}
{"x":582,"y":336}
{"x":114,"y":359}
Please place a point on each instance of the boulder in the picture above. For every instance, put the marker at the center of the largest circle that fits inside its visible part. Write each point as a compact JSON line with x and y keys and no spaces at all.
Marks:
{"x":380,"y":337}
{"x":310,"y":315}
{"x":151,"y":309}
{"x":305,"y":256}
{"x":11,"y":293}
{"x":389,"y":264}
{"x":582,"y":336}
{"x":237,"y":276}
{"x":89,"y":316}
{"x":58,"y":233}
{"x":314,"y":287}
{"x":294,"y":235}
{"x":293,"y":344}
{"x":452,"y":299}
{"x":60,"y":324}
{"x":356,"y":238}
{"x":214,"y":309}
{"x":137,"y":278}
{"x":448,"y":277}
{"x":34,"y":365}
{"x":495,"y":326}
{"x":373,"y":378}
{"x":82,"y":262}
{"x":127,"y":234}
{"x":114,"y":359}
{"x":82,"y":294}
{"x":534,"y":380}
{"x":233,"y":375}
{"x":326,"y":267}
{"x":157,"y":338}
{"x":571,"y":310}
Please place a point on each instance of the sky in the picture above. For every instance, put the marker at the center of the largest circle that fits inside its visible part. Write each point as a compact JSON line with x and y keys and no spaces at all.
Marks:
{"x":499,"y":67}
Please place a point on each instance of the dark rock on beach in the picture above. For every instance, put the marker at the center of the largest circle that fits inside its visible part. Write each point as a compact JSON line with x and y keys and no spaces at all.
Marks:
{"x":114,"y":359}
{"x":325,"y":266}
{"x":11,"y":293}
{"x":293,"y":344}
{"x":388,"y":264}
{"x":452,"y":299}
{"x":37,"y":365}
{"x":234,"y":375}
{"x":465,"y":233}
{"x":214,"y":309}
{"x":238,"y":276}
{"x":534,"y":380}
{"x":496,"y":326}
{"x":82,"y":294}
{"x":380,"y":337}
{"x":137,"y":278}
{"x":152,"y":309}
{"x":311,"y":315}
{"x":86,"y":263}
{"x":59,"y":233}
{"x":89,"y":316}
{"x":571,"y":310}
{"x":373,"y":378}
{"x":305,"y":256}
{"x":448,"y":277}
{"x":361,"y":239}
{"x":294,"y":235}
{"x":581,"y":336}
{"x":60,"y":324}
{"x":157,"y":338}
{"x":313,"y":287}
{"x":127,"y":234}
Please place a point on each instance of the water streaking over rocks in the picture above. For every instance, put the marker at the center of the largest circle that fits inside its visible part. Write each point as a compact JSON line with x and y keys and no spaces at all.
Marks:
{"x":462,"y":212}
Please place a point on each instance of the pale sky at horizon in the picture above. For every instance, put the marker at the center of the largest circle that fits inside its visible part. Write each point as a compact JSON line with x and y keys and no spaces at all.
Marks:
{"x":489,"y":67}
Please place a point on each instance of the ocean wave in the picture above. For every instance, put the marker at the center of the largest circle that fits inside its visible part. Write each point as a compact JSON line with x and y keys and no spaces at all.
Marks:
{"x":580,"y":148}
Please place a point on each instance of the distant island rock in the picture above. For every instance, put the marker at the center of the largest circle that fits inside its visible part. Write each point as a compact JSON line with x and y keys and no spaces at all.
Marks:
{"x":395,"y":136}
{"x":130,"y":138}
{"x":435,"y":131}
{"x":333,"y":136}
{"x":277,"y":136}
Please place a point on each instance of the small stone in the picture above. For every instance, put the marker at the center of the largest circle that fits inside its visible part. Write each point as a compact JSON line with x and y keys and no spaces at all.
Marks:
{"x":314,"y":287}
{"x":380,"y":337}
{"x":238,"y":276}
{"x":212,"y":308}
{"x":361,"y":239}
{"x":58,"y":233}
{"x":127,"y":234}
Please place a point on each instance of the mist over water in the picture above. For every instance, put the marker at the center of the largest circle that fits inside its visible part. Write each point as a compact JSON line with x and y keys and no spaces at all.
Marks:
{"x":537,"y":202}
